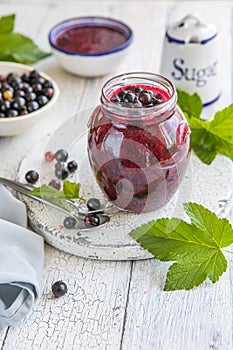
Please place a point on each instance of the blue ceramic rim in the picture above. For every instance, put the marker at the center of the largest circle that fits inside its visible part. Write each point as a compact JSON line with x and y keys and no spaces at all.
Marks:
{"x":182,"y":42}
{"x":85,"y":21}
{"x":212,"y":101}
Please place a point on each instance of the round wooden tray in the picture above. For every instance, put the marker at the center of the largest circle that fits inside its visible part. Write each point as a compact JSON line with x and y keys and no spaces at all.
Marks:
{"x":211,"y":186}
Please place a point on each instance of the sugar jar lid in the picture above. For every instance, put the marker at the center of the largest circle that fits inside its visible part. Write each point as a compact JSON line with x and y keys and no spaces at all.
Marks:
{"x":191,"y":29}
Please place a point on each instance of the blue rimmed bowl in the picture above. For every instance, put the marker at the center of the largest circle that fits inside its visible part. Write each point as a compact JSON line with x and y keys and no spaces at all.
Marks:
{"x":90,"y":46}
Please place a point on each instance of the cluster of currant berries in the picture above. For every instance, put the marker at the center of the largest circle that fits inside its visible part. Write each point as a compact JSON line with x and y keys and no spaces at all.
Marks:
{"x":91,"y":219}
{"x":63,"y":168}
{"x":137,"y":97}
{"x":20,"y":95}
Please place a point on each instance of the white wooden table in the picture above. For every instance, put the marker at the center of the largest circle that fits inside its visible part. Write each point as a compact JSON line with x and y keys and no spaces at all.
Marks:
{"x":116,"y":305}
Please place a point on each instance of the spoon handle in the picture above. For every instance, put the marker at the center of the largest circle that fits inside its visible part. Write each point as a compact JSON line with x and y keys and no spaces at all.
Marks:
{"x":25,"y":190}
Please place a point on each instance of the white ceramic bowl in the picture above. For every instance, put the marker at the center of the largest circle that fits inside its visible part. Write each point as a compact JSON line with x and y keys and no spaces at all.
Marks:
{"x":17,"y":125}
{"x":90,"y":64}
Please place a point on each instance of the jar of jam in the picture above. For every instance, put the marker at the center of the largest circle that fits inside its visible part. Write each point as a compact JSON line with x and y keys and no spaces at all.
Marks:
{"x":138,"y":141}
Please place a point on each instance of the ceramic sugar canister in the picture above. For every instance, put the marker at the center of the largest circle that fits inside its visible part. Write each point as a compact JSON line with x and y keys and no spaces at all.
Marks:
{"x":191,"y":58}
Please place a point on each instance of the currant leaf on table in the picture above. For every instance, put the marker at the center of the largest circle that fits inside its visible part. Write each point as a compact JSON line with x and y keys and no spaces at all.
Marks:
{"x":194,"y":248}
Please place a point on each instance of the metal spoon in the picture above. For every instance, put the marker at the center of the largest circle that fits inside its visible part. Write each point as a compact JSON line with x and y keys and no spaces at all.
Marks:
{"x":79,"y":211}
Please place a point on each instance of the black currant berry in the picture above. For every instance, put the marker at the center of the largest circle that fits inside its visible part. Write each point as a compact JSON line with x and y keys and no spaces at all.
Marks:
{"x":34,"y":74}
{"x":42,"y":100}
{"x":61,"y":173}
{"x":48,"y":92}
{"x":93,"y":204}
{"x":32,"y":106}
{"x":12,"y":113}
{"x":5,"y":105}
{"x":27,"y":88}
{"x":48,"y":84}
{"x":72,"y":166}
{"x":11,"y":77}
{"x":145,"y":98}
{"x":69,"y":222}
{"x":129,"y":97}
{"x":37,"y":88}
{"x":138,"y":90}
{"x":32,"y":176}
{"x":92,"y":220}
{"x":61,"y":155}
{"x":121,"y":94}
{"x":18,"y":103}
{"x":25,"y":77}
{"x":30,"y":96}
{"x":59,"y":289}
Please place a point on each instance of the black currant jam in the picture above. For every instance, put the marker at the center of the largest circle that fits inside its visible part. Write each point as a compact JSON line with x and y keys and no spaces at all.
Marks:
{"x":90,"y":39}
{"x":138,"y":141}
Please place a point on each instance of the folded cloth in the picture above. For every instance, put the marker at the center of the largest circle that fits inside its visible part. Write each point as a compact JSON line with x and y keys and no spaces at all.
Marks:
{"x":21,"y":261}
{"x":11,"y":209}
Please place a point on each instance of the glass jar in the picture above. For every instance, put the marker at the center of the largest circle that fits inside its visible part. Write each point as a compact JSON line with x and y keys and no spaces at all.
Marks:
{"x":138,"y":149}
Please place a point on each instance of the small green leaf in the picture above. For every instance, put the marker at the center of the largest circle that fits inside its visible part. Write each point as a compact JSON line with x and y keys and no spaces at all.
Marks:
{"x":190,"y":104}
{"x":202,"y":145}
{"x":71,"y":190}
{"x":194,"y":248}
{"x":16,"y":47}
{"x":209,"y":138}
{"x":48,"y":193}
{"x":7,"y":23}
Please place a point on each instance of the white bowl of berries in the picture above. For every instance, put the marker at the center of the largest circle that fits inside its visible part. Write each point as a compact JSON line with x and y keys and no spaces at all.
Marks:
{"x":90,"y":46}
{"x":26,"y":95}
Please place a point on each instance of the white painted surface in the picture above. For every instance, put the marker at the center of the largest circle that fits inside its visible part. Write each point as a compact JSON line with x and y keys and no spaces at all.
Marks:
{"x":116,"y":305}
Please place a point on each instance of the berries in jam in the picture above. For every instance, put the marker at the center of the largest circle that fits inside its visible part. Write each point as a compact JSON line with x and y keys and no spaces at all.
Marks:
{"x":138,"y":141}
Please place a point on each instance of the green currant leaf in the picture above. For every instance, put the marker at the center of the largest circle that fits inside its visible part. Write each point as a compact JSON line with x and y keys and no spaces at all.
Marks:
{"x":71,"y":190}
{"x":7,"y":23}
{"x":48,"y":193}
{"x":195,"y":248}
{"x":16,"y":47}
{"x":209,"y":138}
{"x":191,"y":105}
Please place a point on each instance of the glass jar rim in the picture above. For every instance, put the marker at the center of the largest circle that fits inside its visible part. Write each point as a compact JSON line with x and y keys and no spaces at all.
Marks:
{"x":159,"y":111}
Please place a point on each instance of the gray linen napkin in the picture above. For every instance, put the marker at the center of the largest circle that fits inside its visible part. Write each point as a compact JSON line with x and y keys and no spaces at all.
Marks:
{"x":21,"y":261}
